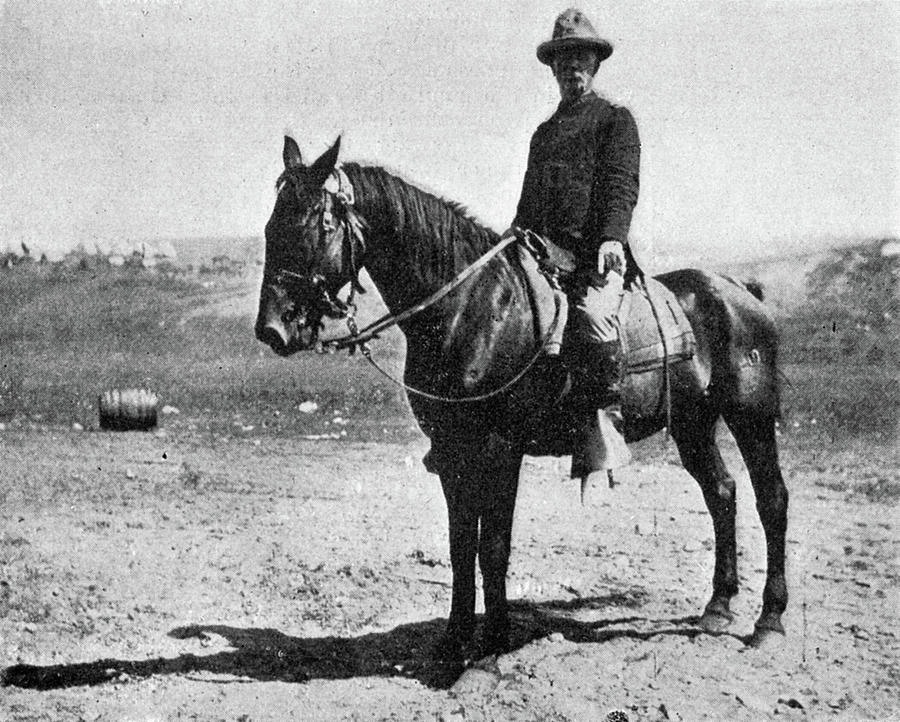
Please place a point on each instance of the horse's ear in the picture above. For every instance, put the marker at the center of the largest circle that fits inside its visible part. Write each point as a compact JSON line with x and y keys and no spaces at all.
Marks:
{"x":321,"y":169}
{"x":291,"y":153}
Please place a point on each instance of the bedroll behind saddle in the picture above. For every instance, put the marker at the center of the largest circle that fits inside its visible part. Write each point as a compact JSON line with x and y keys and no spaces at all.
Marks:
{"x":654,"y":327}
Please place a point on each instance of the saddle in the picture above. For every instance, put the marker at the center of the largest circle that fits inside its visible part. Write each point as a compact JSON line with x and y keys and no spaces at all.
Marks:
{"x":654,"y":329}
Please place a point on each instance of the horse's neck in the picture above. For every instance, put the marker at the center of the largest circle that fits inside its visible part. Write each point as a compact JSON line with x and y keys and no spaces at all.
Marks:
{"x":414,"y":244}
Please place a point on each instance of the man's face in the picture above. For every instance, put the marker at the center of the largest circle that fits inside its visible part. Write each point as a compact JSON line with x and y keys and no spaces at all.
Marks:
{"x":574,"y":70}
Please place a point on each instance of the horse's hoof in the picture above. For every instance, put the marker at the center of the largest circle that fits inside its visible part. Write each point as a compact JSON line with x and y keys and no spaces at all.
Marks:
{"x":715,"y":623}
{"x":716,"y":617}
{"x":770,"y":637}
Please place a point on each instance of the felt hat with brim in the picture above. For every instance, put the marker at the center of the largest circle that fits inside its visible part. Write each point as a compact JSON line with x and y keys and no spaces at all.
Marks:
{"x":573,"y":30}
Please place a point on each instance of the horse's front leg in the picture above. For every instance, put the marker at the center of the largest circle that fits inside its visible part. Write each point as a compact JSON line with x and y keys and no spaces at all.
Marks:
{"x":501,"y":484}
{"x":462,"y":498}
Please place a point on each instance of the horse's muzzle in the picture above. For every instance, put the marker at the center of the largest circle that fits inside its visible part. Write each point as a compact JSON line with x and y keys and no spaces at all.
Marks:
{"x":272,"y":337}
{"x":286,"y":339}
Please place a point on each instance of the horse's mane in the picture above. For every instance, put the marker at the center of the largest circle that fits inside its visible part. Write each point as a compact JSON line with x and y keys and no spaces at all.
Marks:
{"x":438,"y":236}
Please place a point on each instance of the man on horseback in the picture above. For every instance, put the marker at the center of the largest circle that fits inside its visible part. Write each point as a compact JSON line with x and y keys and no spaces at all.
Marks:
{"x":579,"y":191}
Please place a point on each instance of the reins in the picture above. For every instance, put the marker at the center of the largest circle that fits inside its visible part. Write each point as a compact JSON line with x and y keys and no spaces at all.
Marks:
{"x":390,"y":319}
{"x":358,"y":339}
{"x":367,"y":354}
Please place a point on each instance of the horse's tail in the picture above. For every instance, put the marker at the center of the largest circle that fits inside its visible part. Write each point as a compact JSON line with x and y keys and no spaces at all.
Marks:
{"x":755,"y":287}
{"x":779,"y":377}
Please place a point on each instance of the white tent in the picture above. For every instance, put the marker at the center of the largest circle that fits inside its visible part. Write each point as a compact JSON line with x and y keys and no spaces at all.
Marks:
{"x":891,"y":249}
{"x":165,"y":250}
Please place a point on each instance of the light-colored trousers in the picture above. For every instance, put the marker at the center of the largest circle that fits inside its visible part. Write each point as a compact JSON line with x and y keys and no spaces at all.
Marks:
{"x":593,"y":310}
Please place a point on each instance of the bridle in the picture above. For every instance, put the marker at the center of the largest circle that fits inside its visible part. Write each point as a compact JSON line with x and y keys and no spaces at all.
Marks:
{"x":336,"y":213}
{"x":338,"y":201}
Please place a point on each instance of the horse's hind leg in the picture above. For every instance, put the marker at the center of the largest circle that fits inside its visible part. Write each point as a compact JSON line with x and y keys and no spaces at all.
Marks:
{"x":701,"y":458}
{"x":755,"y":436}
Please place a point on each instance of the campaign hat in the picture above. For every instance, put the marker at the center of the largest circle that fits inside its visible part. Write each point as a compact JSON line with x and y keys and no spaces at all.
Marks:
{"x":572,"y":30}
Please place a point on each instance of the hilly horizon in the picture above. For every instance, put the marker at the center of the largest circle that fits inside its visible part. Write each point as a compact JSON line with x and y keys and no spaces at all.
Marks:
{"x":782,"y":275}
{"x":781,"y":271}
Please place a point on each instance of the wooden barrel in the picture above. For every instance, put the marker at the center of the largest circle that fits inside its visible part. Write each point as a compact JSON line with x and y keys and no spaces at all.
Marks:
{"x":128,"y":410}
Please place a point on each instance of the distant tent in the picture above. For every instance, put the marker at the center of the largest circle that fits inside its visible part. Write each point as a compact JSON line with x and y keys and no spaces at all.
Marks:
{"x":104,"y":247}
{"x":81,"y":257}
{"x":8,"y":254}
{"x":47,"y":253}
{"x":890,"y":249}
{"x":165,"y":250}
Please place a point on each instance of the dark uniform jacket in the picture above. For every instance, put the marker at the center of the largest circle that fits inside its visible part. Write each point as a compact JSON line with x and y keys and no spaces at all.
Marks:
{"x":581,"y":184}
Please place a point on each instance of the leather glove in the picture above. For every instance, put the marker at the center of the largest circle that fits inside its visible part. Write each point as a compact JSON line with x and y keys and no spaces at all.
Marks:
{"x":612,"y":257}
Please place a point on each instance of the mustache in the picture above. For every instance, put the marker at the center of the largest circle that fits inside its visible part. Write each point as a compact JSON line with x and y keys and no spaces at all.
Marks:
{"x":570,"y":80}
{"x":568,"y":75}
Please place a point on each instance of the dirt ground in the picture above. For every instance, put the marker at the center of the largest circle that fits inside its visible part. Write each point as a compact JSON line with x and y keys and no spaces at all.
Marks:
{"x":181,"y":575}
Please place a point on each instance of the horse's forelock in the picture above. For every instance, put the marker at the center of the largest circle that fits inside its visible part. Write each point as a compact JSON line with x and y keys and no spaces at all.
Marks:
{"x":289,"y":175}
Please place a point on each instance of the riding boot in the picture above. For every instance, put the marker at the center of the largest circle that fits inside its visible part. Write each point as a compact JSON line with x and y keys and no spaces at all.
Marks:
{"x":600,"y":442}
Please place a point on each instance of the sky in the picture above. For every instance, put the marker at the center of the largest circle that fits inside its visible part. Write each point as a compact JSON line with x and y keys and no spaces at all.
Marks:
{"x":766,"y":126}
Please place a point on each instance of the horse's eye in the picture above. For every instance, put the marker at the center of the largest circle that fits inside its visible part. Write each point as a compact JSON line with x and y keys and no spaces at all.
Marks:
{"x":307,"y":215}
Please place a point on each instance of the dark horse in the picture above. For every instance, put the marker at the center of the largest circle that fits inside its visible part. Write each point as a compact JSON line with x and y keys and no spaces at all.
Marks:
{"x":328,"y":223}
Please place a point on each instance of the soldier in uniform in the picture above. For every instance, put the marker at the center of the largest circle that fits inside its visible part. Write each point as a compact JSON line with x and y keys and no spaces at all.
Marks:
{"x":579,"y":191}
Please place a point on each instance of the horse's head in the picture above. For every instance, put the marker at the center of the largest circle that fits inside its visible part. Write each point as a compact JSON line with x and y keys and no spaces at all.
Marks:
{"x":313,"y":247}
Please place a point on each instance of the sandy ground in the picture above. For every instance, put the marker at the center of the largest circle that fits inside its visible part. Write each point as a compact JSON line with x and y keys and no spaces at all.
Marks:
{"x":188,"y":576}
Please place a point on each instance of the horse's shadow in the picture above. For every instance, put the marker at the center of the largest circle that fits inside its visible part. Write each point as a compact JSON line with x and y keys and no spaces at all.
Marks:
{"x":268,"y":655}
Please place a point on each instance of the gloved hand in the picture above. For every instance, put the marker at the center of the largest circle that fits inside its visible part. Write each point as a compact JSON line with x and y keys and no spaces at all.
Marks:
{"x":612,"y":257}
{"x":510,"y":232}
